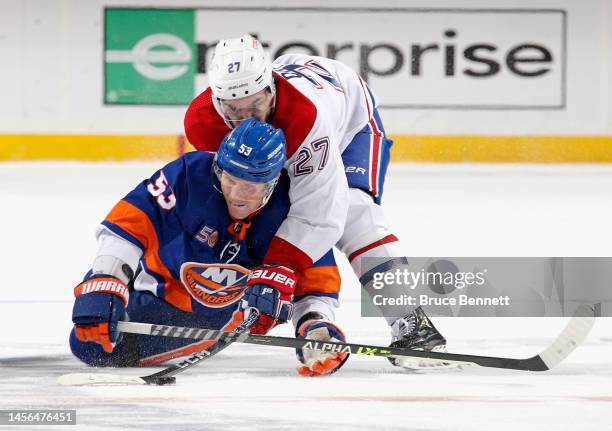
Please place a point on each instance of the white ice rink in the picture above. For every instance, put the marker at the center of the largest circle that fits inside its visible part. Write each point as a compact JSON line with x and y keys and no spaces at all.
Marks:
{"x":50,"y":211}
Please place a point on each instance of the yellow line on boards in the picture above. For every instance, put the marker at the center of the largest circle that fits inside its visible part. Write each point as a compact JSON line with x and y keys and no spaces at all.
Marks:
{"x":416,"y":148}
{"x":88,"y":147}
{"x":503,"y":149}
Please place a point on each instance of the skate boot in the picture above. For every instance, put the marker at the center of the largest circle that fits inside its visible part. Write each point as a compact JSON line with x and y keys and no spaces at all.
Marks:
{"x":416,"y":332}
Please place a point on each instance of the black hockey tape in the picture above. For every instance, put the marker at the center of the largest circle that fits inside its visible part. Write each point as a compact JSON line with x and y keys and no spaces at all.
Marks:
{"x":161,"y":381}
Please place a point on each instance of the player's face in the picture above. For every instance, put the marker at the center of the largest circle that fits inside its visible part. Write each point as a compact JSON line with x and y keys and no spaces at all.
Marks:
{"x":242,"y":197}
{"x":258,"y":106}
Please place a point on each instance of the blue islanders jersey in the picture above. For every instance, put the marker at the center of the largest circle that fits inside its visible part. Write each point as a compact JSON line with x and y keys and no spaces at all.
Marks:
{"x":194,"y":255}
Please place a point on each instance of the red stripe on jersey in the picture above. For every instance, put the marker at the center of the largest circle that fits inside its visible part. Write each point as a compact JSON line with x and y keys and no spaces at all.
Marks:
{"x":375,"y":163}
{"x":365,"y":95}
{"x":389,"y":238}
{"x":295,"y":114}
{"x":204,"y":127}
{"x":282,"y":252}
{"x":376,"y":142}
{"x":375,"y":127}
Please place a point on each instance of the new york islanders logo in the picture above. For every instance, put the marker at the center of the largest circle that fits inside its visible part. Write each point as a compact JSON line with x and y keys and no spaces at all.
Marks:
{"x":214,"y":285}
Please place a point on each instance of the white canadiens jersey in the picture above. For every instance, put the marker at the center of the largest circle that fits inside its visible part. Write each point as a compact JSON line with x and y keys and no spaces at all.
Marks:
{"x":321,"y":105}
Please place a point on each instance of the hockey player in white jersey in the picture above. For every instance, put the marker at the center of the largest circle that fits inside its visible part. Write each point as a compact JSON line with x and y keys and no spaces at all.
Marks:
{"x":337,"y":153}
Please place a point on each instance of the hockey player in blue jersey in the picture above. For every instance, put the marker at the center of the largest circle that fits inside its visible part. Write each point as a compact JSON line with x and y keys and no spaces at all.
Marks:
{"x":186,"y":247}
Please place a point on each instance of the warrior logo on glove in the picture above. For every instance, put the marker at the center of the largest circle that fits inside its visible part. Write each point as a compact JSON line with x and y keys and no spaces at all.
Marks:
{"x":100,"y":302}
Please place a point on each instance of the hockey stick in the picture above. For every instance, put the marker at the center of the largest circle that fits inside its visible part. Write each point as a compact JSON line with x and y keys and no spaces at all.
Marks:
{"x":165,"y":376}
{"x":574,"y":333}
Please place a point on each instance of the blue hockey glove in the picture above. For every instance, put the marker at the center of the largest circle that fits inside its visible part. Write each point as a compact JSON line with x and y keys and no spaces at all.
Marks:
{"x":99,"y":304}
{"x":270,"y":290}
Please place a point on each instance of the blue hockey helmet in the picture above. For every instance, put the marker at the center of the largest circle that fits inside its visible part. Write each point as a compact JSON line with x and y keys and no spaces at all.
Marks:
{"x":253,"y":151}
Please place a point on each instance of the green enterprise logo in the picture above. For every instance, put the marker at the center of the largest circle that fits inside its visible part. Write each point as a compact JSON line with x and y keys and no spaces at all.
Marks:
{"x":149,"y":56}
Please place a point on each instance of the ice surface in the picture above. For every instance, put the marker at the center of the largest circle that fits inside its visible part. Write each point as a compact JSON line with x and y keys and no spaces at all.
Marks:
{"x":49,"y":213}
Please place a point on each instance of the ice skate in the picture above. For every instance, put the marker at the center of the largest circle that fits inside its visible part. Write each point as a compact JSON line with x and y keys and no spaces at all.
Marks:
{"x":416,"y":331}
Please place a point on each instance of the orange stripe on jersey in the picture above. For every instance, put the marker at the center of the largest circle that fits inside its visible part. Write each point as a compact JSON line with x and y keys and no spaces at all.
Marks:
{"x":319,"y":279}
{"x":135,"y":222}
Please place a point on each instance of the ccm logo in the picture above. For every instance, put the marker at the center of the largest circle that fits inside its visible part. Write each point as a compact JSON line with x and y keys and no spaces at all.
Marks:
{"x":267,"y":274}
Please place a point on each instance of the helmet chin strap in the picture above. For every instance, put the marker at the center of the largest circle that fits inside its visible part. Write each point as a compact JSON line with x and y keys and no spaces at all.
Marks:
{"x":230,"y":123}
{"x":270,"y":186}
{"x":220,"y":111}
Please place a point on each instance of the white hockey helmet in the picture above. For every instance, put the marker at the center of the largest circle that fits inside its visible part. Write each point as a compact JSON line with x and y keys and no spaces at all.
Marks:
{"x":240,"y":67}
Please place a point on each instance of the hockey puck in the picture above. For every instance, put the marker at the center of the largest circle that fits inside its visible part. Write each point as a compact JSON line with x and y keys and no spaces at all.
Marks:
{"x":161,"y":381}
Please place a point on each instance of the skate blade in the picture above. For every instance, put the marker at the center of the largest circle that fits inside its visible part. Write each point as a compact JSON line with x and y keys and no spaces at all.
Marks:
{"x":423,"y":366}
{"x":415,"y":364}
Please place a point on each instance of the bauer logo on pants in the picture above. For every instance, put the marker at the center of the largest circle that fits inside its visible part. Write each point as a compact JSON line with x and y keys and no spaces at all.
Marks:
{"x":214,"y":285}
